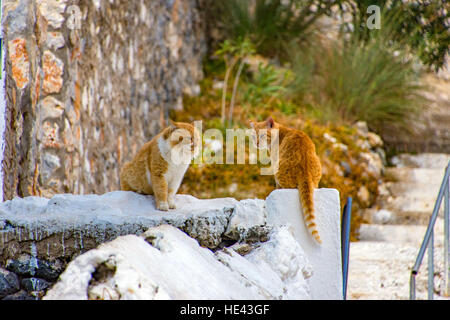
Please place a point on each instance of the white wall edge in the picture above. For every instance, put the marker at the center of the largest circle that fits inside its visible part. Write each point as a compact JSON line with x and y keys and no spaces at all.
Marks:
{"x":2,"y":104}
{"x":283,"y":208}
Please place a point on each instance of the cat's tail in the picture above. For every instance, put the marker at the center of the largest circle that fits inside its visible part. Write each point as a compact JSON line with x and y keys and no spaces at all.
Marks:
{"x":306,"y":192}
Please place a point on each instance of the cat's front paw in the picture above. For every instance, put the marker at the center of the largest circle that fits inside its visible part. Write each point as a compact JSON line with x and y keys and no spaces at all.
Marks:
{"x":163,"y":206}
{"x":172,"y":202}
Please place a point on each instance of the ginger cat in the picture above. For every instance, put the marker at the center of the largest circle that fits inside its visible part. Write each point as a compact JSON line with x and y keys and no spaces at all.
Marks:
{"x":298,"y":165}
{"x":160,"y":165}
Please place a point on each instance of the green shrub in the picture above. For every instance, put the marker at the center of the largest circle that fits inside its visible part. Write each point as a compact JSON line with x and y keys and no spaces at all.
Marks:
{"x":234,"y":52}
{"x":357,"y":80}
{"x":421,"y":26}
{"x":271,"y":24}
{"x":266,"y":85}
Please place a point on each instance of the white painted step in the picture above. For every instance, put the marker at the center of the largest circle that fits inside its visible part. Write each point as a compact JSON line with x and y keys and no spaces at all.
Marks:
{"x":401,"y":234}
{"x":413,"y":191}
{"x":422,"y":160}
{"x":410,"y":204}
{"x":427,"y":190}
{"x":418,"y":177}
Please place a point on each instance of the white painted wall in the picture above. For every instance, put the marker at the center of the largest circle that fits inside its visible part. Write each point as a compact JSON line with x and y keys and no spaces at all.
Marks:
{"x":283,"y":208}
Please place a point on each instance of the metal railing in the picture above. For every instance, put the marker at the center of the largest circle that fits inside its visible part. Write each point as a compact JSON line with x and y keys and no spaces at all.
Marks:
{"x":428,"y":243}
{"x":345,"y":243}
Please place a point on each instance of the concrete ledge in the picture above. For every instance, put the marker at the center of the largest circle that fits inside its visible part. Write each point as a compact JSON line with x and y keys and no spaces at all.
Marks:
{"x":40,"y":236}
{"x":67,"y":225}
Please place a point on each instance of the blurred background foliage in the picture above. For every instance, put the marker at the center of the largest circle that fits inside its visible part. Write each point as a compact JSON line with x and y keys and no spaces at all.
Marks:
{"x":316,"y":66}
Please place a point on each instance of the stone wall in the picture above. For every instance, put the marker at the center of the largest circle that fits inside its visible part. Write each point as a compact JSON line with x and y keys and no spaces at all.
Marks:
{"x":88,"y":82}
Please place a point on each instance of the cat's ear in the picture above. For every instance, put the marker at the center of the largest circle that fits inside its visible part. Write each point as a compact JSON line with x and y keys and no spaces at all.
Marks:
{"x":172,"y":123}
{"x":170,"y":128}
{"x":270,"y":123}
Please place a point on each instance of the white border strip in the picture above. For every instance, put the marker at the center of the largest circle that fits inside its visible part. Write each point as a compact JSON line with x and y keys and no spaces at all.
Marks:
{"x":2,"y":103}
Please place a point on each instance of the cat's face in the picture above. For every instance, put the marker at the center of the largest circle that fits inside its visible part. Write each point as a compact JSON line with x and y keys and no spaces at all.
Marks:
{"x":262,"y":137}
{"x":184,"y":139}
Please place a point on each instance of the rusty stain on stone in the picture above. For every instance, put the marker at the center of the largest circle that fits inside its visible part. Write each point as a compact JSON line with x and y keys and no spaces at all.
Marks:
{"x":119,"y":148}
{"x":76,"y":54}
{"x":53,"y":71}
{"x":20,"y":62}
{"x":78,"y":133}
{"x":77,"y":101}
{"x":35,"y":188}
{"x":175,"y":11}
{"x":50,"y":135}
{"x":14,"y":96}
{"x":37,"y":89}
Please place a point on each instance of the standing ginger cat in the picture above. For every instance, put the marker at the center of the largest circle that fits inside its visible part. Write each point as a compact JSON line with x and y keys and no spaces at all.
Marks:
{"x":298,"y":165}
{"x":160,"y":165}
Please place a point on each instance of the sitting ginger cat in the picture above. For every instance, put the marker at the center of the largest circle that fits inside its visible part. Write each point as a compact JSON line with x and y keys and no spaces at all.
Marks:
{"x":160,"y":165}
{"x":298,"y":165}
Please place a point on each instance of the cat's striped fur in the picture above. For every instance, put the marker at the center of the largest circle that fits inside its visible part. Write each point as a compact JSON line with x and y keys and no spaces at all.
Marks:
{"x":298,"y":165}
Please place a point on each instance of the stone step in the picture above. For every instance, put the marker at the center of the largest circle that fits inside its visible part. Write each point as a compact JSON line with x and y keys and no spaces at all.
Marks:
{"x":427,"y":191}
{"x":422,"y":160}
{"x":442,"y":123}
{"x":441,"y":118}
{"x":401,"y":234}
{"x":409,"y":204}
{"x":385,"y":216}
{"x":420,"y":176}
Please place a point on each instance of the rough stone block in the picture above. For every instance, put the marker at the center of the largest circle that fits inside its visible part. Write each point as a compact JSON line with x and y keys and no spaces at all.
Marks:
{"x":50,"y":108}
{"x":55,"y":40}
{"x":248,"y":221}
{"x":9,"y":283}
{"x":53,"y":69}
{"x":34,"y":284}
{"x":53,"y":11}
{"x":166,"y":264}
